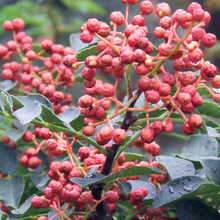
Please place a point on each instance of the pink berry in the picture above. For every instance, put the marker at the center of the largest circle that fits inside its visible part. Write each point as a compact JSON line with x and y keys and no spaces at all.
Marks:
{"x":188,"y":108}
{"x":146,"y":7}
{"x":216,"y":82}
{"x":119,"y":135}
{"x":12,"y":45}
{"x":138,"y":20}
{"x":142,"y":69}
{"x":56,"y":186}
{"x":164,"y":89}
{"x":85,"y":101}
{"x":104,"y":30}
{"x":106,"y":133}
{"x":44,"y":133}
{"x":159,"y":32}
{"x":193,"y":6}
{"x":195,"y":121}
{"x":88,"y":131}
{"x":187,"y":78}
{"x":86,"y":198}
{"x":184,"y":98}
{"x":137,"y":195}
{"x":7,"y":74}
{"x":117,"y":17}
{"x":3,"y":51}
{"x":86,"y":36}
{"x":108,"y":90}
{"x":34,"y":162}
{"x":166,"y":22}
{"x":46,"y":44}
{"x":153,"y":96}
{"x":209,"y":71}
{"x":48,"y":193}
{"x":208,"y":40}
{"x":18,"y":24}
{"x":169,"y":126}
{"x":84,"y":152}
{"x":7,"y":25}
{"x":197,"y":100}
{"x":133,"y":2}
{"x":195,"y":55}
{"x":188,"y":130}
{"x":198,"y":33}
{"x":93,"y":25}
{"x":163,"y":9}
{"x":198,"y":14}
{"x":147,"y":135}
{"x":88,"y":73}
{"x":111,"y":197}
{"x":164,"y":49}
{"x":51,"y":144}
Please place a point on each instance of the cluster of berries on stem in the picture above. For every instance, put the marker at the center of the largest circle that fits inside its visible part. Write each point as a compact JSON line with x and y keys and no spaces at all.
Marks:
{"x":120,"y":55}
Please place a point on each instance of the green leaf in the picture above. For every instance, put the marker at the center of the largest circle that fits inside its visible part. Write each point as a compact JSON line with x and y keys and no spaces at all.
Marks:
{"x":200,"y":146}
{"x":26,"y":209}
{"x":212,"y":132}
{"x":211,"y":199}
{"x":183,"y":187}
{"x":203,"y":91}
{"x":155,"y":52}
{"x":39,"y":180}
{"x":7,"y":85}
{"x":69,"y":115}
{"x":77,"y":124}
{"x":13,"y":190}
{"x":93,"y":178}
{"x":27,"y":113}
{"x":3,"y":215}
{"x":44,"y":161}
{"x":84,"y":6}
{"x":87,"y":51}
{"x":49,"y":116}
{"x":212,"y":168}
{"x":138,"y":170}
{"x":8,"y":159}
{"x":210,"y":109}
{"x":79,"y":79}
{"x":124,"y":187}
{"x":133,"y":156}
{"x":78,"y":181}
{"x":16,"y":102}
{"x":28,"y":100}
{"x":189,"y":209}
{"x":176,"y":167}
{"x":209,"y":122}
{"x":6,"y":102}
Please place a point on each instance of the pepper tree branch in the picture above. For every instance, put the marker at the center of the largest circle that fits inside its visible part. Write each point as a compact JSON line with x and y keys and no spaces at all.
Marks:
{"x":102,"y":210}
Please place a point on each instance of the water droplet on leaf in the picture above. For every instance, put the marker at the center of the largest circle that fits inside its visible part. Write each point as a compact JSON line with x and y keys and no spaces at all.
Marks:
{"x":188,"y":188}
{"x":171,"y":190}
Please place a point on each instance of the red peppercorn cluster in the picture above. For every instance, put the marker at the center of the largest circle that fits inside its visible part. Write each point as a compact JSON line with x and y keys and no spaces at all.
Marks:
{"x":121,"y":53}
{"x":131,"y":48}
{"x":31,"y":77}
